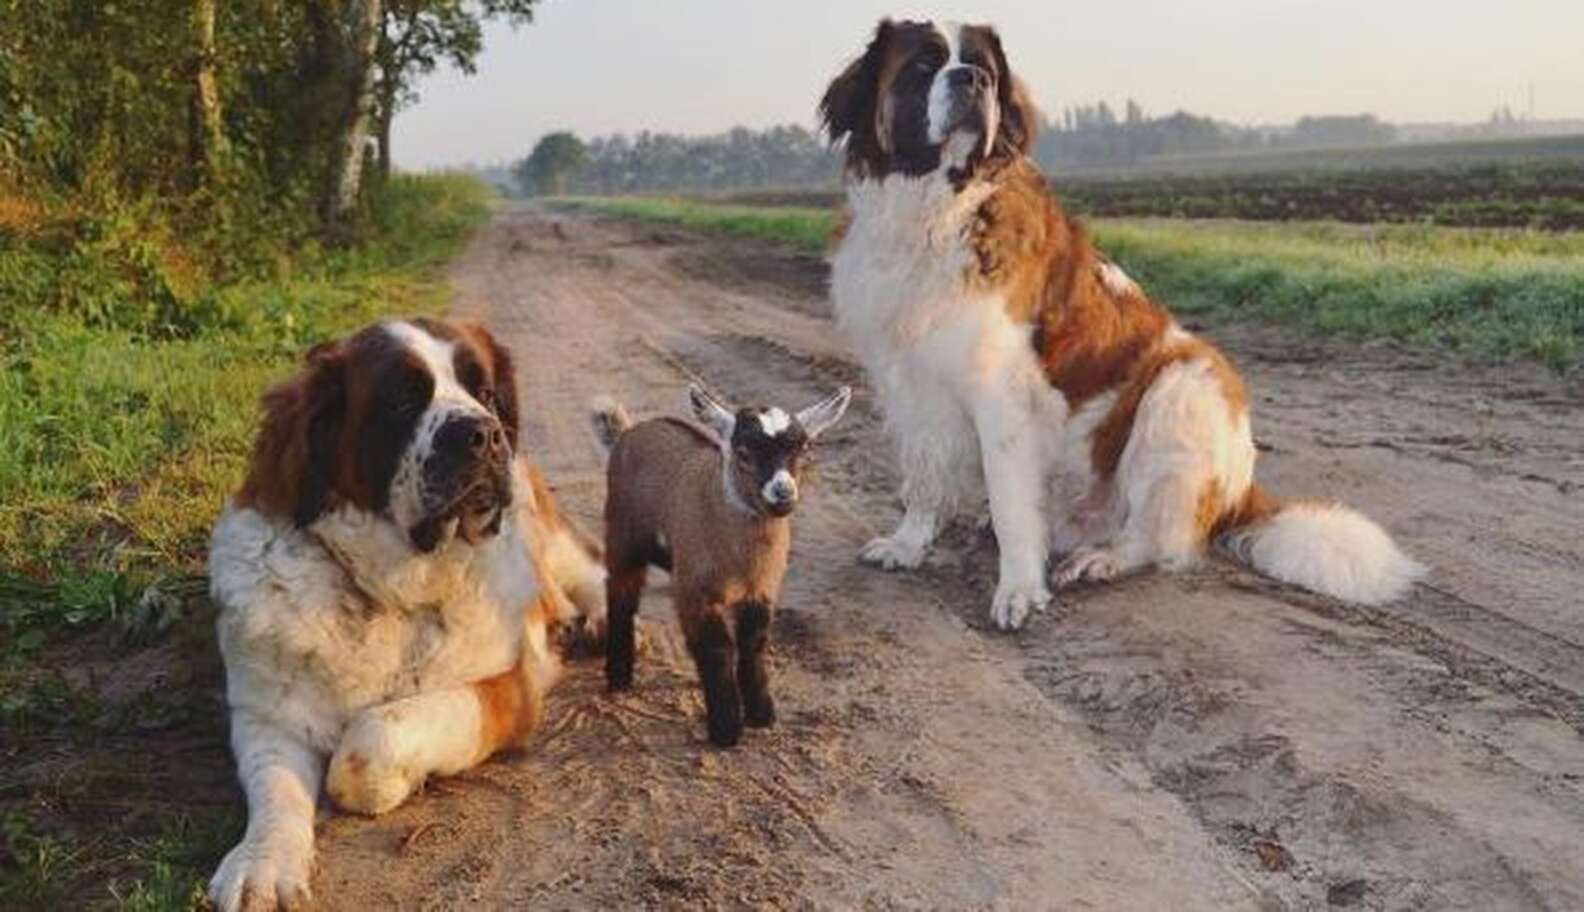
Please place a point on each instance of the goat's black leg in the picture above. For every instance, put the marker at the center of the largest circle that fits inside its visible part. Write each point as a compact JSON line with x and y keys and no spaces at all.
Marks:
{"x":713,"y":651}
{"x":753,"y":679}
{"x":623,"y":588}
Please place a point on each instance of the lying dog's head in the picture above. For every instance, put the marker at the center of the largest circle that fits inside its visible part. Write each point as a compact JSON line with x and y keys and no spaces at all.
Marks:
{"x":414,"y":421}
{"x":926,"y":97}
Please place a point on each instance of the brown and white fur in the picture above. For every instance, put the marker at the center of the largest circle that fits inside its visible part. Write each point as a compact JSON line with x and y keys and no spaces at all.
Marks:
{"x":1001,"y":343}
{"x":386,"y":576}
{"x":710,"y":505}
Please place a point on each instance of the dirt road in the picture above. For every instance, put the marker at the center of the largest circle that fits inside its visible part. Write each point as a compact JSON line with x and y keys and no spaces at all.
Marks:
{"x":1206,"y":740}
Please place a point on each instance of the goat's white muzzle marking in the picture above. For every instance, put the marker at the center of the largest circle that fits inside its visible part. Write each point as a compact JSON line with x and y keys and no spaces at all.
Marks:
{"x":781,"y":488}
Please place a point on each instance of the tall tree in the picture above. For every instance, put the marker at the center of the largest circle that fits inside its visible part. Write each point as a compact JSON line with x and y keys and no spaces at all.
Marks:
{"x":347,"y":176}
{"x":553,"y":161}
{"x":417,"y":36}
{"x":206,"y":135}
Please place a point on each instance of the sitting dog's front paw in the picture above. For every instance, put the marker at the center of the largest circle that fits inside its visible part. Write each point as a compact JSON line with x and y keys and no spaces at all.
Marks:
{"x":1013,"y":604}
{"x":1096,"y":565}
{"x":259,"y":875}
{"x":892,"y":553}
{"x":366,"y":775}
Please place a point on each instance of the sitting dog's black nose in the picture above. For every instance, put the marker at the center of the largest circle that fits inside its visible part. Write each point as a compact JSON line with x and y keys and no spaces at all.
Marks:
{"x":470,"y":435}
{"x":966,"y":77}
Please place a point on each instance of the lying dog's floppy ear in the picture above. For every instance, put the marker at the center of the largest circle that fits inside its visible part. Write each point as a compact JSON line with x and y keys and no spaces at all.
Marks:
{"x":504,"y":374}
{"x":1019,"y":118}
{"x":847,"y":110}
{"x":292,"y":473}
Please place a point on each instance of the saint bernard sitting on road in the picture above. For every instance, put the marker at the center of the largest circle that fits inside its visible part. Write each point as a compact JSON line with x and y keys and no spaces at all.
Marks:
{"x":999,"y":340}
{"x":386,"y":576}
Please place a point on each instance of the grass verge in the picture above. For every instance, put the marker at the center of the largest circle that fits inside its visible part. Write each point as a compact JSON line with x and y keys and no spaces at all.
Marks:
{"x":1490,"y":293}
{"x":117,"y":448}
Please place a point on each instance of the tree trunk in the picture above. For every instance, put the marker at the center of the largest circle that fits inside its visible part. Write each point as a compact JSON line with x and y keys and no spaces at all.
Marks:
{"x":389,"y":85}
{"x":206,"y":139}
{"x":387,"y":114}
{"x":347,"y":178}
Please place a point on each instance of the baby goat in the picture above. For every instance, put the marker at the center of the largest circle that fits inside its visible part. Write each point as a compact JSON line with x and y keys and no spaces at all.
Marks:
{"x":710,"y":507}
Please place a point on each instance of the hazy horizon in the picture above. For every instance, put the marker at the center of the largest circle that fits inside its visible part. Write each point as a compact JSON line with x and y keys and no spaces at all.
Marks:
{"x":602,"y":66}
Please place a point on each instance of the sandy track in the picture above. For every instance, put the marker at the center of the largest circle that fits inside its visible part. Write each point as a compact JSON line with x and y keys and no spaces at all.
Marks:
{"x":1206,"y":740}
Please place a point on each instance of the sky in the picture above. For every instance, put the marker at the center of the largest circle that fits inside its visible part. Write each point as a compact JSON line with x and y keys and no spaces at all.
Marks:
{"x":702,"y":66}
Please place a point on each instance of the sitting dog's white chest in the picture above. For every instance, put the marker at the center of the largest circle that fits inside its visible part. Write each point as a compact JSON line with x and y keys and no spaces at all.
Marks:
{"x":900,"y":272}
{"x":901,"y":291}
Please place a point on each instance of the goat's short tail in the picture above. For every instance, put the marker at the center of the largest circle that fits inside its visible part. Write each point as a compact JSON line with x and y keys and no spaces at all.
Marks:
{"x":1323,"y":547}
{"x":609,"y":420}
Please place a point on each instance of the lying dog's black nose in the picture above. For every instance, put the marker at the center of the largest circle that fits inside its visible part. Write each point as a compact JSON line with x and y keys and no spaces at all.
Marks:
{"x":968,"y":77}
{"x":477,"y":436}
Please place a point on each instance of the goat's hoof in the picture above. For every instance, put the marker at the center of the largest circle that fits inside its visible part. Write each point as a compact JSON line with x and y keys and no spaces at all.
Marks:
{"x":759,"y":714}
{"x":725,"y":732}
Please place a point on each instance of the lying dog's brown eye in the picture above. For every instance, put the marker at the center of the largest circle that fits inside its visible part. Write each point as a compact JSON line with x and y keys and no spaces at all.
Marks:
{"x":486,"y":398}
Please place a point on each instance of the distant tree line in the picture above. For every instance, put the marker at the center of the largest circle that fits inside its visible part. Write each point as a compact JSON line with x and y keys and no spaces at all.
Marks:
{"x":792,"y":157}
{"x":647,"y":162}
{"x":1095,"y":134}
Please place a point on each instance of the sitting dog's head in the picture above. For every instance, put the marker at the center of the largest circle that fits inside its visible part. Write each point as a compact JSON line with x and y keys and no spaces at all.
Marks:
{"x":413,"y":421}
{"x":926,"y":97}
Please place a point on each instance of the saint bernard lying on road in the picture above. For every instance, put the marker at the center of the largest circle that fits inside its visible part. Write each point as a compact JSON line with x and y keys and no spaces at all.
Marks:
{"x":996,"y":336}
{"x":386,"y":576}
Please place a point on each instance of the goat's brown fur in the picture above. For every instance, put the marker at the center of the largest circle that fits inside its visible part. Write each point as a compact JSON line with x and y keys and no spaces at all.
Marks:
{"x":665,"y":506}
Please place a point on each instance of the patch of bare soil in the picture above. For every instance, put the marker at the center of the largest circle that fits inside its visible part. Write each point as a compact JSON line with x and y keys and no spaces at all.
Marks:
{"x":1202,"y":740}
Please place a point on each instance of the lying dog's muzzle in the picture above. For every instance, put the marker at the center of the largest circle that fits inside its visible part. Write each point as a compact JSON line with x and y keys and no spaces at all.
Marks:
{"x":466,"y":482}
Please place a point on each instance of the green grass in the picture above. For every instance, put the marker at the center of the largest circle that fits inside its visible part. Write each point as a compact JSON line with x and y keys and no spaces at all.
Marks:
{"x":119,"y":440}
{"x":805,"y":228}
{"x":1491,"y":293}
{"x":117,"y":444}
{"x":1486,"y":292}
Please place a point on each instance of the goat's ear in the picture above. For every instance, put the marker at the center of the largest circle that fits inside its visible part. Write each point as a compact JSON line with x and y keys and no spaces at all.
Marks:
{"x":710,"y":412}
{"x":818,"y":418}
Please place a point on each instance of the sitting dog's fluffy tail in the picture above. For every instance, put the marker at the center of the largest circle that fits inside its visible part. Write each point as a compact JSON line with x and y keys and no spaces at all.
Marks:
{"x":1323,"y":547}
{"x":609,"y":420}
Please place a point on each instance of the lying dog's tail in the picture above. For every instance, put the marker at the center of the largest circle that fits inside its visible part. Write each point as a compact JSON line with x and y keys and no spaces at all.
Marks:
{"x":609,"y":420}
{"x":1321,"y":546}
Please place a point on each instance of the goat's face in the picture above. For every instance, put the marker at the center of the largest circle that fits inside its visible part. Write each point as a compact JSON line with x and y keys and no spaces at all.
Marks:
{"x":764,"y":447}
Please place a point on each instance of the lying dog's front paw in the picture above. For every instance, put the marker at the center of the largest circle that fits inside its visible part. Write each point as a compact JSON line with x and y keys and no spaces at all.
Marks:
{"x":891,"y":553}
{"x":1013,"y":604}
{"x":261,"y":876}
{"x":367,"y":775}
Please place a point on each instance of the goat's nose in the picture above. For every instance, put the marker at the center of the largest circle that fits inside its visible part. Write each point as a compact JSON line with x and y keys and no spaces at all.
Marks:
{"x":781,"y":488}
{"x":965,"y":77}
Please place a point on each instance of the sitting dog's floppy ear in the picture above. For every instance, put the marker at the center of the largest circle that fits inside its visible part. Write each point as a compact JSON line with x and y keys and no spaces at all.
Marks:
{"x":847,"y":109}
{"x":292,"y":473}
{"x":1019,"y":118}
